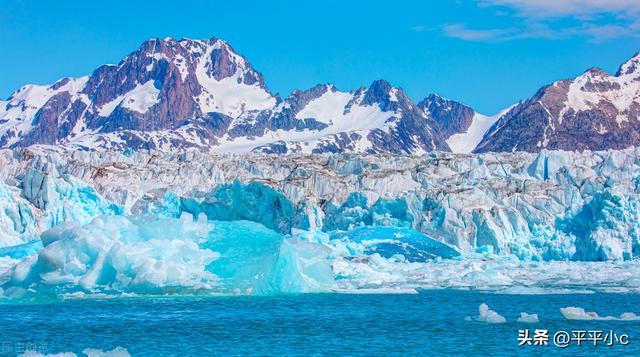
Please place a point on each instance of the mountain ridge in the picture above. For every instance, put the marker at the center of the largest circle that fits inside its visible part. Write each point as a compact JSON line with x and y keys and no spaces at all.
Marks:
{"x":174,"y":94}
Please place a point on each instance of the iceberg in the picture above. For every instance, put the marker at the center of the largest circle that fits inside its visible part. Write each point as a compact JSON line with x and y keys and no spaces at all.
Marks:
{"x":487,"y":315}
{"x":528,"y":318}
{"x":389,"y":242}
{"x":160,"y":255}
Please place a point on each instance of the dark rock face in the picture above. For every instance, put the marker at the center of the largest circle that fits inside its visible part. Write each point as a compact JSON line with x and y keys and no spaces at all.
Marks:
{"x":46,"y":121}
{"x":414,"y":130}
{"x":452,"y":117}
{"x":594,"y":111}
{"x":286,"y":119}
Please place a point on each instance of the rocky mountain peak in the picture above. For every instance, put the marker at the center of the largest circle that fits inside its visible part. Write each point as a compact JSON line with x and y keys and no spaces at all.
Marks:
{"x":388,"y":97}
{"x":378,"y":92}
{"x":593,"y":111}
{"x":595,"y":72}
{"x":630,"y":67}
{"x":452,"y":117}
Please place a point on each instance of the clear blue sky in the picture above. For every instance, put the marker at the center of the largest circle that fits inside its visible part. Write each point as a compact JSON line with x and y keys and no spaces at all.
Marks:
{"x":487,"y":53}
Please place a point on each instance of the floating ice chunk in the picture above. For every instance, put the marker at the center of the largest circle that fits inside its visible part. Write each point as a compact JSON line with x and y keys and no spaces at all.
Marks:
{"x":116,"y":352}
{"x":578,"y":313}
{"x":629,"y":316}
{"x":163,"y":255}
{"x":38,"y":354}
{"x":89,"y":352}
{"x":528,"y":318}
{"x":302,"y":267}
{"x":489,"y":316}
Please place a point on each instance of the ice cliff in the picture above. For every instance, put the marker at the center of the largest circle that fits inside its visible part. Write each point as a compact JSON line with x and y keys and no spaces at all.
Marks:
{"x":140,"y":222}
{"x":547,"y":206}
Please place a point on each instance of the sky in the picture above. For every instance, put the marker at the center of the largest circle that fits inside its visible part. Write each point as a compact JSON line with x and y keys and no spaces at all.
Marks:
{"x":488,"y":54}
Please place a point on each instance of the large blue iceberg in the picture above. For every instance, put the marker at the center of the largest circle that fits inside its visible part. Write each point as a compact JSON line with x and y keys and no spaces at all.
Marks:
{"x":160,"y":255}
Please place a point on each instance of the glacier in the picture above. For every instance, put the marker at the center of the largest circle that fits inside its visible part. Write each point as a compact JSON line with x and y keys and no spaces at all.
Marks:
{"x":77,"y":223}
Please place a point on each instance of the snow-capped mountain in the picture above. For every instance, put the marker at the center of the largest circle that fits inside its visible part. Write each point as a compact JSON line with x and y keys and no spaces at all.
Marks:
{"x":188,"y":93}
{"x":594,"y":111}
{"x":452,"y":117}
{"x":167,"y":93}
{"x":461,"y":126}
{"x":173,"y":94}
{"x":380,"y":118}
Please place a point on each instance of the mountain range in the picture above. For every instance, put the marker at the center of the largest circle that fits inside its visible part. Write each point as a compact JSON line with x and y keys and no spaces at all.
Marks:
{"x":175,"y":94}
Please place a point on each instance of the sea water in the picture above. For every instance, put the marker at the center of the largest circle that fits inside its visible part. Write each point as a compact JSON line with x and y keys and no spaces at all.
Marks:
{"x":432,"y":322}
{"x":161,"y":286}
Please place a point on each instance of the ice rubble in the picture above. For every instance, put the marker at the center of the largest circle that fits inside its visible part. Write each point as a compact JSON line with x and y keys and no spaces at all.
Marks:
{"x":40,"y":198}
{"x":150,"y":254}
{"x":17,"y":220}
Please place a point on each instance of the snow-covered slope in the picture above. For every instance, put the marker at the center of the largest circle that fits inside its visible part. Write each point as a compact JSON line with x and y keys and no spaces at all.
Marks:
{"x":377,"y":119}
{"x":21,"y":112}
{"x":467,"y":141}
{"x":461,"y":126}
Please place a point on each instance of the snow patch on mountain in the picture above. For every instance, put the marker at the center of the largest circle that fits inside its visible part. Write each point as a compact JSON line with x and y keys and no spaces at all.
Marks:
{"x":19,"y":111}
{"x":620,"y":91}
{"x":466,"y":142}
{"x":139,"y":99}
{"x":181,"y":63}
{"x":327,"y":108}
{"x":231,"y":98}
{"x":142,"y":97}
{"x":342,"y":111}
{"x":29,"y":99}
{"x":230,"y":95}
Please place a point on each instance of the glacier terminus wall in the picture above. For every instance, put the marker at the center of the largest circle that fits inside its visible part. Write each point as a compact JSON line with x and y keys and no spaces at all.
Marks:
{"x":549,"y":206}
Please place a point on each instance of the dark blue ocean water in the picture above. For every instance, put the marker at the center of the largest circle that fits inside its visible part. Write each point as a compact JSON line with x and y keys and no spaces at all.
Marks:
{"x":430,"y":323}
